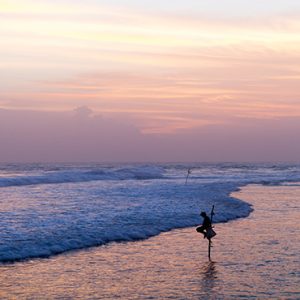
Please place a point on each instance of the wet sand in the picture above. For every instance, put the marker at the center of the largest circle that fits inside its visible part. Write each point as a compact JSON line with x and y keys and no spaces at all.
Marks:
{"x":255,"y":257}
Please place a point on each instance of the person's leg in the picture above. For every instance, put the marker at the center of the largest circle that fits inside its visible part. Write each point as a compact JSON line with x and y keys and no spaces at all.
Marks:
{"x":201,"y":230}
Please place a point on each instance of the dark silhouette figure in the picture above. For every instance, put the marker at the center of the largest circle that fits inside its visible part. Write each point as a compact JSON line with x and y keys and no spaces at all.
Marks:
{"x":206,"y":224}
{"x":188,"y":174}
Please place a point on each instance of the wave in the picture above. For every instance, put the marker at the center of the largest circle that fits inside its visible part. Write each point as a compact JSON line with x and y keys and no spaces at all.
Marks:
{"x":133,"y":212}
{"x":79,"y":175}
{"x":131,"y":202}
{"x":36,"y":174}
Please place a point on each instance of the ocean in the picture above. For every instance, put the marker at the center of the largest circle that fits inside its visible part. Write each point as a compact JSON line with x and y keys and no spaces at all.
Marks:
{"x":48,"y":209}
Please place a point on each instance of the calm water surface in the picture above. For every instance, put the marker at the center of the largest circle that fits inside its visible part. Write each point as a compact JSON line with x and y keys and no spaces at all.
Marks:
{"x":257,"y":257}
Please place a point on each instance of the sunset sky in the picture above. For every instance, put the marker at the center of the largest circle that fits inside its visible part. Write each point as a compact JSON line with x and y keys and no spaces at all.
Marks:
{"x":137,"y":80}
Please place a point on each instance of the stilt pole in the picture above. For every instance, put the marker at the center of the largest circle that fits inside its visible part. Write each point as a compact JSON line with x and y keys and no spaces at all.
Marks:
{"x":209,"y":240}
{"x":188,"y":174}
{"x":209,"y":247}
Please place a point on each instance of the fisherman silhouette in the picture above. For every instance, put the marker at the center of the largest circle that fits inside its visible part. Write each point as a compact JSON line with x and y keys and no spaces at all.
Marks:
{"x":187,"y":175}
{"x":206,"y":224}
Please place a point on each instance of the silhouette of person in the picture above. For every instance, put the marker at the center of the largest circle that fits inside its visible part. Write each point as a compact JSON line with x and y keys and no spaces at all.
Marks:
{"x":206,"y":224}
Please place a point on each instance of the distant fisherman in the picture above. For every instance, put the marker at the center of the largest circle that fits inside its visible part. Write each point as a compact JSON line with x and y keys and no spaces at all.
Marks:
{"x":188,"y":174}
{"x":206,"y":224}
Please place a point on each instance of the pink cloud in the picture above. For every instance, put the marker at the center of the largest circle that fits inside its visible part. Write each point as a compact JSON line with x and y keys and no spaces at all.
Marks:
{"x":28,"y":136}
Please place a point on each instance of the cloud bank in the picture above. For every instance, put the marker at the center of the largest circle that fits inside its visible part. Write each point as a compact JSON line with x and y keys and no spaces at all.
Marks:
{"x":83,"y":136}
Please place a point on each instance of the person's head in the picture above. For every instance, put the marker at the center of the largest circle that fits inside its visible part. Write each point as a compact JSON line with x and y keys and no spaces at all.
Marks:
{"x":203,"y":214}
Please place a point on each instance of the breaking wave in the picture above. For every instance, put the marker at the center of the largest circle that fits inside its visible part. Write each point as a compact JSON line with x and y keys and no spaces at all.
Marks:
{"x":46,"y":210}
{"x":79,"y":175}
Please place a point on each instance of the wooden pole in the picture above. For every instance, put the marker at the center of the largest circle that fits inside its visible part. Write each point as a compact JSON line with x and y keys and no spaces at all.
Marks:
{"x":209,"y":240}
{"x":187,"y":176}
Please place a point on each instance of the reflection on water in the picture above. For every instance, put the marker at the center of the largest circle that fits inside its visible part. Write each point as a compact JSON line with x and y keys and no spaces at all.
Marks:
{"x":254,"y":257}
{"x":208,"y":278}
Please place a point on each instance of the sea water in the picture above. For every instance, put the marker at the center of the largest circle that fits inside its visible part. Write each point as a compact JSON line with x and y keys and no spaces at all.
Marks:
{"x":47,"y":209}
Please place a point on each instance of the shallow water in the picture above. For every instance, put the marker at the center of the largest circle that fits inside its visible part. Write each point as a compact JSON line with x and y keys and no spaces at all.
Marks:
{"x":256,"y":257}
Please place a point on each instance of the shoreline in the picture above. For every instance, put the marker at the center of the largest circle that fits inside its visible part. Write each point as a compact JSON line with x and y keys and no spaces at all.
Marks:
{"x":244,"y":213}
{"x":251,"y":258}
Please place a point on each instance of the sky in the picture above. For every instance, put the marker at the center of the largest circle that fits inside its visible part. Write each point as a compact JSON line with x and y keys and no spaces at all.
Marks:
{"x":144,"y":81}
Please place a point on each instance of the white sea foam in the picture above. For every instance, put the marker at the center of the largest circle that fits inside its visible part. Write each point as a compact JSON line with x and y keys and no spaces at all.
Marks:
{"x":82,"y":175}
{"x":47,"y":210}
